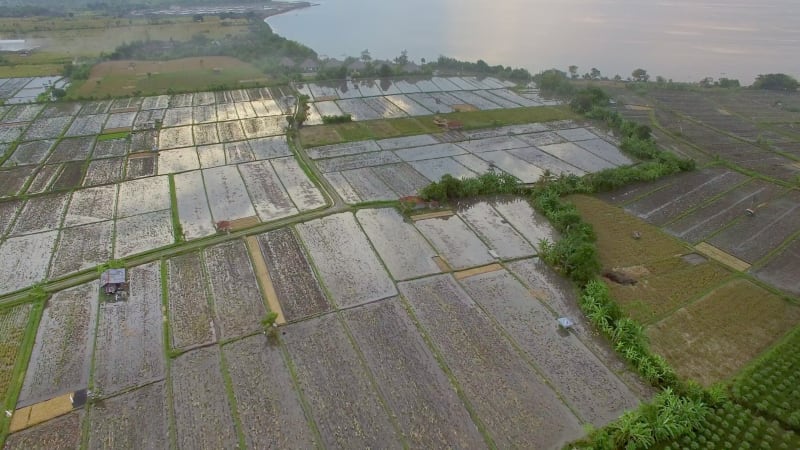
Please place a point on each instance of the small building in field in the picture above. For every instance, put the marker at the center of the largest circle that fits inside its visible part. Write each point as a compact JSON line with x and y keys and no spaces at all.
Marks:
{"x":113,"y":280}
{"x":309,"y":65}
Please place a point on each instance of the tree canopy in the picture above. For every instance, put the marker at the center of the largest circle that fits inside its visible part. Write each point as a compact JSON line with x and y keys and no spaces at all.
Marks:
{"x":776,"y":82}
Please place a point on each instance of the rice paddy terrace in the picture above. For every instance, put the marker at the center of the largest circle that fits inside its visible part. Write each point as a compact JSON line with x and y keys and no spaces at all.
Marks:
{"x":427,"y":331}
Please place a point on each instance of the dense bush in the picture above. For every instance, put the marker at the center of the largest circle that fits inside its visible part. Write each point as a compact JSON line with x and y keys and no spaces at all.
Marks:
{"x":344,"y":118}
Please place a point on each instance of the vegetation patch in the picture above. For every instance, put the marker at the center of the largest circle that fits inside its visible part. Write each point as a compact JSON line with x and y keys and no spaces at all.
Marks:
{"x":112,"y":136}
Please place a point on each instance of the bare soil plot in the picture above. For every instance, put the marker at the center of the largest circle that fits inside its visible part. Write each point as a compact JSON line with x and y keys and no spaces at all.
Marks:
{"x":358,"y":109}
{"x":143,"y":195}
{"x":189,"y":313}
{"x":30,"y":153}
{"x":406,"y":87}
{"x":63,"y":433}
{"x":295,"y":284}
{"x":47,"y":128}
{"x":12,"y":132}
{"x":203,"y":414}
{"x":471,"y":98}
{"x":542,"y":138}
{"x":434,"y":105}
{"x":429,"y":152}
{"x":13,"y":322}
{"x":408,"y":106}
{"x":345,"y":261}
{"x":575,"y":372}
{"x":70,"y":176}
{"x":146,"y":120}
{"x":576,"y":134}
{"x":545,"y":161}
{"x":514,"y":404}
{"x":384,"y":107}
{"x":8,"y":211}
{"x":513,"y":97}
{"x":181,"y":100}
{"x":104,"y":171}
{"x":62,"y":353}
{"x":358,"y":161}
{"x":137,"y":234}
{"x":498,"y":100}
{"x":670,"y":202}
{"x":498,"y":234}
{"x":328,"y":108}
{"x":245,"y":110}
{"x":130,"y":336}
{"x":227,"y":194}
{"x":270,"y":147}
{"x":122,"y":104}
{"x":204,"y":114}
{"x":230,"y":131}
{"x":13,"y":180}
{"x":175,"y":137}
{"x":401,"y":178}
{"x":146,"y":140}
{"x":343,"y":188}
{"x":715,"y":337}
{"x":270,"y":199}
{"x":401,"y":247}
{"x":752,"y":238}
{"x":211,"y":155}
{"x":157,"y":102}
{"x":456,"y":243}
{"x":179,"y":160}
{"x":238,"y":152}
{"x":95,"y":107}
{"x":41,"y":214}
{"x":176,"y":117}
{"x":435,"y":169}
{"x":406,"y":142}
{"x":430,"y":414}
{"x":87,"y":125}
{"x":76,"y":149}
{"x":606,"y":151}
{"x":344,"y":149}
{"x":368,"y":186}
{"x":263,"y":127}
{"x":141,"y":166}
{"x":137,"y":419}
{"x":268,"y":408}
{"x":530,"y":224}
{"x":266,"y":108}
{"x":526,"y":173}
{"x":238,"y":304}
{"x":343,"y":401}
{"x":705,"y":220}
{"x":60,"y":109}
{"x":193,"y":212}
{"x":23,"y":112}
{"x":492,"y":144}
{"x":9,"y":179}
{"x":110,"y":148}
{"x":205,"y":134}
{"x":303,"y":192}
{"x":204,"y":99}
{"x":120,"y":120}
{"x":82,"y":247}
{"x":577,"y":156}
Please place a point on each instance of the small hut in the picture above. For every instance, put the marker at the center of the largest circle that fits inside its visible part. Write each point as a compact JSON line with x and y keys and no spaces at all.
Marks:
{"x":112,"y":280}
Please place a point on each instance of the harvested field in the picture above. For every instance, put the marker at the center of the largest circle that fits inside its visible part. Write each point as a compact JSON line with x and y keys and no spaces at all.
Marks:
{"x":76,"y":149}
{"x":141,"y":166}
{"x":188,"y":309}
{"x":91,"y":205}
{"x":715,"y":337}
{"x":270,"y":147}
{"x":343,"y":188}
{"x":60,"y":109}
{"x":266,"y":108}
{"x":456,"y":243}
{"x":227,"y":194}
{"x":430,"y":414}
{"x":204,"y":113}
{"x":545,"y":161}
{"x":70,"y":176}
{"x":175,"y":161}
{"x":211,"y":155}
{"x":238,"y":152}
{"x":529,"y":223}
{"x":230,"y":131}
{"x":358,"y":161}
{"x":142,"y":196}
{"x":401,"y":247}
{"x":429,"y":152}
{"x":303,"y":192}
{"x":120,"y":120}
{"x":145,"y":140}
{"x":12,"y":180}
{"x":574,"y":371}
{"x":175,"y":137}
{"x":138,"y":234}
{"x":95,"y":107}
{"x":157,"y":102}
{"x":270,"y":199}
{"x":62,"y":353}
{"x":24,"y":260}
{"x":130,"y":336}
{"x":203,"y":415}
{"x":344,"y":259}
{"x":345,"y":149}
{"x":492,"y":144}
{"x":526,"y":173}
{"x":295,"y":284}
{"x":8,"y":211}
{"x":238,"y":304}
{"x":264,"y":127}
{"x":41,"y":214}
{"x":269,"y":408}
{"x":104,"y":171}
{"x":226,"y":111}
{"x":781,"y":270}
{"x":513,"y":403}
{"x":193,"y":213}
{"x":13,"y":322}
{"x":347,"y":409}
{"x":408,"y":106}
{"x":205,"y":134}
{"x":87,"y":125}
{"x":30,"y":153}
{"x":604,"y":150}
{"x":576,"y":156}
{"x":367,"y":186}
{"x":58,"y":434}
{"x":110,"y":148}
{"x":176,"y":117}
{"x":401,"y":178}
{"x":136,"y":419}
{"x":496,"y":231}
{"x":435,"y":169}
{"x":245,"y":110}
{"x":82,"y":247}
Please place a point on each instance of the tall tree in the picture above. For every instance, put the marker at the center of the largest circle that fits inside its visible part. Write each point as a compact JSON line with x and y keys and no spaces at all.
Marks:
{"x":640,"y":75}
{"x":573,"y":71}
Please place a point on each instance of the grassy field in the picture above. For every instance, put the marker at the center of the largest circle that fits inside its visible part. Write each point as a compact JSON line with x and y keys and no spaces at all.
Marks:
{"x":378,"y":129}
{"x":120,"y":78}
